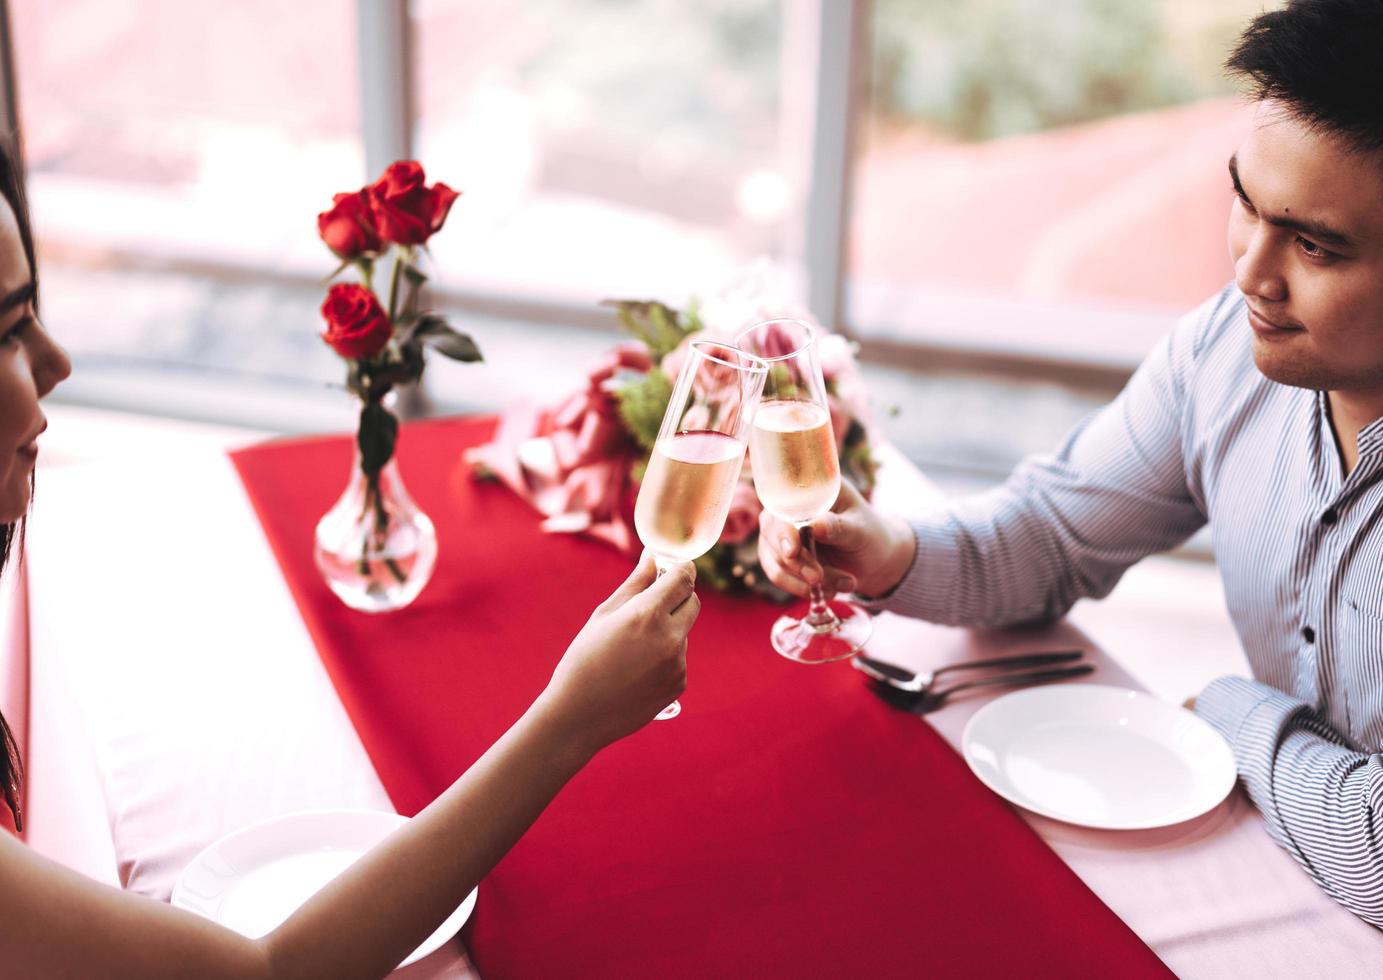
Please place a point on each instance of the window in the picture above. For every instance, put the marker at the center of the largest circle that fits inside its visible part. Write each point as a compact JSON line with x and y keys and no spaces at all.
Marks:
{"x":177,"y":155}
{"x":606,"y":148}
{"x":1029,"y":182}
{"x":1043,"y":180}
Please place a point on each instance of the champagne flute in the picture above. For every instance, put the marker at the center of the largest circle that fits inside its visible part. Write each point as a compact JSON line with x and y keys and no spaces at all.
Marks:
{"x":690,"y":480}
{"x":792,"y":451}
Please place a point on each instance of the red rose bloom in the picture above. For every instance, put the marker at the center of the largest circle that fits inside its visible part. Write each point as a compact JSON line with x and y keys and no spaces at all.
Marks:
{"x":357,"y":326}
{"x":405,"y":210}
{"x":348,"y":228}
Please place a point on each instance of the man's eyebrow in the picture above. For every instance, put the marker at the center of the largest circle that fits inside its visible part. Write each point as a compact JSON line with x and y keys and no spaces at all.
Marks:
{"x":1313,"y":229}
{"x":17,"y":297}
{"x":1234,"y":175}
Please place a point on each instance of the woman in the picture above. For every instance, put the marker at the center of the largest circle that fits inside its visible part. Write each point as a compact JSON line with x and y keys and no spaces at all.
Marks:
{"x":624,"y":666}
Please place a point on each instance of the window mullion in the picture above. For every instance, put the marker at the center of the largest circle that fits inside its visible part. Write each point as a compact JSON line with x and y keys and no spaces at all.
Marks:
{"x":387,"y":107}
{"x":386,"y":82}
{"x":825,"y":38}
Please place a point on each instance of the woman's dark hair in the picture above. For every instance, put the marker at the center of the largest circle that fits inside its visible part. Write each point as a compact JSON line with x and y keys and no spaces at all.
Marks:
{"x":11,"y":765}
{"x":12,"y":189}
{"x":1320,"y":59}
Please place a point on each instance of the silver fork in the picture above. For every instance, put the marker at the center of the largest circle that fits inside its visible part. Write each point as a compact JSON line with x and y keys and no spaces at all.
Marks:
{"x":923,"y":701}
{"x":905,"y":680}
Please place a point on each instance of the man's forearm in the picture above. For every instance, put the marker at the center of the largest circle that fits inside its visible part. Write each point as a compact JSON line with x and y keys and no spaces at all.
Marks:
{"x":1321,"y":800}
{"x":1065,"y":527}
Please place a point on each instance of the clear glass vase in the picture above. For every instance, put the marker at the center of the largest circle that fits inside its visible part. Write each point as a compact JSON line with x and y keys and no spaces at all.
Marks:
{"x":375,"y":548}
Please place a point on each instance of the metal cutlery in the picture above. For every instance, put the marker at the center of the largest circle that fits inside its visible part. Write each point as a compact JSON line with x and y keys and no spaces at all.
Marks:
{"x":906,"y":680}
{"x":921,"y":702}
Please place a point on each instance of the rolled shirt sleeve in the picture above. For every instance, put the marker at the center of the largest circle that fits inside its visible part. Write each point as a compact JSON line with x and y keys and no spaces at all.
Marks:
{"x":1065,"y":526}
{"x":1321,"y":800}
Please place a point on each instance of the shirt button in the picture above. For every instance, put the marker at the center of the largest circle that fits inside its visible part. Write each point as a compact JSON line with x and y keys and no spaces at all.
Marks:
{"x":1330,"y":517}
{"x":1308,"y":634}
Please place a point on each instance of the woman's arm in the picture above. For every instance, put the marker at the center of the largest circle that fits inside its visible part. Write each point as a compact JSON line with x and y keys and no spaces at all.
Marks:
{"x":626,"y":664}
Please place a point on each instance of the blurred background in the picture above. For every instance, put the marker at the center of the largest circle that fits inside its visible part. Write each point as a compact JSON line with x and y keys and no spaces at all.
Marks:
{"x":1005,"y":202}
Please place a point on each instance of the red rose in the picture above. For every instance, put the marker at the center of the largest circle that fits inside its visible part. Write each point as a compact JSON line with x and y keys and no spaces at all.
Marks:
{"x":348,"y":228}
{"x":357,"y":326}
{"x":405,"y":210}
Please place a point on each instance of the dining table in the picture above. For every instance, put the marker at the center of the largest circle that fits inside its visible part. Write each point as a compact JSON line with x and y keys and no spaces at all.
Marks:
{"x":164,"y":620}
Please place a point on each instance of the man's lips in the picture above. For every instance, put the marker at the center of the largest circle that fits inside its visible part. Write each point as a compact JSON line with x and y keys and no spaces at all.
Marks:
{"x":1266,"y":325}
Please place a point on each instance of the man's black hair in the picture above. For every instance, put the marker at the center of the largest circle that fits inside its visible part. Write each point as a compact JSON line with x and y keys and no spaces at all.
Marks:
{"x":1323,"y":60}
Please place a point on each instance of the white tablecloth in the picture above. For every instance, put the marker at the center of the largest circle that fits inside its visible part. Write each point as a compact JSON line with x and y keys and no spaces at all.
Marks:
{"x":160,"y":618}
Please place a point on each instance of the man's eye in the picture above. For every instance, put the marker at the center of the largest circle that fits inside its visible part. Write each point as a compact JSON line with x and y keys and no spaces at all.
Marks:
{"x":1312,"y":250}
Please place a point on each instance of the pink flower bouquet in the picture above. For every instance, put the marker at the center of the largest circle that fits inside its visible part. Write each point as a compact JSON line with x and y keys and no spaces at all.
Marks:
{"x":580,"y":462}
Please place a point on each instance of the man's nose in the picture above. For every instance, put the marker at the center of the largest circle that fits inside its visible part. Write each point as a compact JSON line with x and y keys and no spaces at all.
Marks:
{"x":1258,"y":271}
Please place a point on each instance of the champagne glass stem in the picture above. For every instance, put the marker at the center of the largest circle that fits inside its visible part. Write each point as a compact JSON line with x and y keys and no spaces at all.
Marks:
{"x":675,"y":708}
{"x":820,"y":616}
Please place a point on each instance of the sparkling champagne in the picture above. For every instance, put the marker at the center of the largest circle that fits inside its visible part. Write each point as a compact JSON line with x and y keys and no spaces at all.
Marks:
{"x":793,"y":454}
{"x":686,"y":493}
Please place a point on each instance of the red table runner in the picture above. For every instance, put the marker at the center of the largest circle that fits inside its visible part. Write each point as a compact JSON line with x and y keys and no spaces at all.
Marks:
{"x":786,"y":825}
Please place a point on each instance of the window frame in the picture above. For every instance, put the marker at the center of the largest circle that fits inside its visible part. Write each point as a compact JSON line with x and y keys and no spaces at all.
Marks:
{"x":826,"y":43}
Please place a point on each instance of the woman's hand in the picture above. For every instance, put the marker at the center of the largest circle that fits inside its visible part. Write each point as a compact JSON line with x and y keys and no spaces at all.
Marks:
{"x":630,"y":659}
{"x":861,"y":550}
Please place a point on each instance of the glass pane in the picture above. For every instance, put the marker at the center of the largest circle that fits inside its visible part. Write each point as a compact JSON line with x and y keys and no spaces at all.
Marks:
{"x":169,"y":143}
{"x":605,"y":147}
{"x":1044,"y":179}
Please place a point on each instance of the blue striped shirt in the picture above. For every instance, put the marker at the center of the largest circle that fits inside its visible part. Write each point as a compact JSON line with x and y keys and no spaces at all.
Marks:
{"x":1200,"y":435}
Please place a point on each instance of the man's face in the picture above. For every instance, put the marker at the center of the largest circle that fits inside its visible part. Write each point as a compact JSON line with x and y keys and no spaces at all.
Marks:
{"x":1306,"y":239}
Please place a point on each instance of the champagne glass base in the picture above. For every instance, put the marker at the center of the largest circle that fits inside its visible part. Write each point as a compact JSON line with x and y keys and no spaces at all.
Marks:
{"x":795,"y":639}
{"x":670,"y":712}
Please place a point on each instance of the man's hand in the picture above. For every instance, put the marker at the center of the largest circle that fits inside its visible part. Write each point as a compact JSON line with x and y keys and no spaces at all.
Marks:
{"x":860,"y":549}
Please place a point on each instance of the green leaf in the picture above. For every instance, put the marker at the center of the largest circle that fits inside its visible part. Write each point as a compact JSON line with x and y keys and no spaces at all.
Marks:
{"x":411,"y":353}
{"x":432,"y":330}
{"x":355,"y":381}
{"x":857,"y":461}
{"x":780,"y":383}
{"x":345,"y":264}
{"x":378,"y":433}
{"x":642,"y":404}
{"x":415,"y":279}
{"x":691,"y":316}
{"x":665,"y":329}
{"x":657,"y":325}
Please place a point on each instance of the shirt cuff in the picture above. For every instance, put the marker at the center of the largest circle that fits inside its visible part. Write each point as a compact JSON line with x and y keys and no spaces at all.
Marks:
{"x":917,"y":594}
{"x":1251,"y":717}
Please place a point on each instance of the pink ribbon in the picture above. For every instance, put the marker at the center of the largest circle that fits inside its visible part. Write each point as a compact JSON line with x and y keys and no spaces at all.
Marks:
{"x":572,"y":462}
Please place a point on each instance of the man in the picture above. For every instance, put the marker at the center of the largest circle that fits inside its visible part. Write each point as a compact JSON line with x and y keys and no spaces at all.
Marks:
{"x":1262,"y":413}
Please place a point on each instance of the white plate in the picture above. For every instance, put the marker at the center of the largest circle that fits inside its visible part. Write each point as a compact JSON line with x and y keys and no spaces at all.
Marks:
{"x":254,"y":878}
{"x":1099,"y":756}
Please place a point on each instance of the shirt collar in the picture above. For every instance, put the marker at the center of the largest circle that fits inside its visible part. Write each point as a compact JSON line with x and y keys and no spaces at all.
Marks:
{"x":1371,"y":438}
